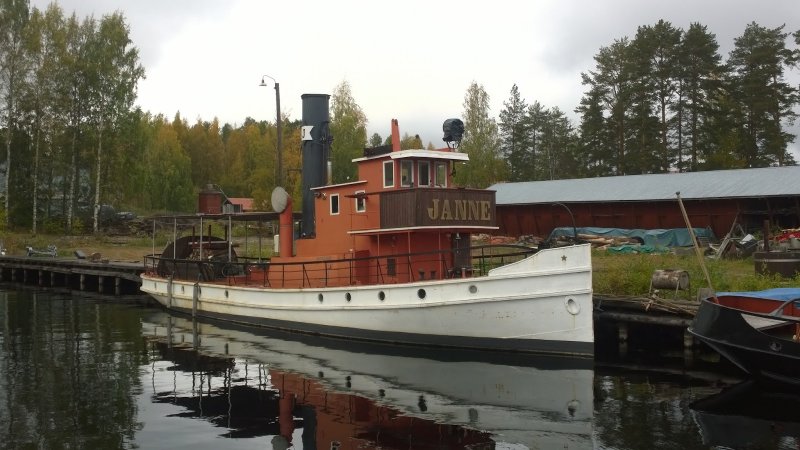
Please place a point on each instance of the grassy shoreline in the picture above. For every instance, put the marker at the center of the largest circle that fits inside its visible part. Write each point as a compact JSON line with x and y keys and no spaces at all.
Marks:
{"x":614,"y":274}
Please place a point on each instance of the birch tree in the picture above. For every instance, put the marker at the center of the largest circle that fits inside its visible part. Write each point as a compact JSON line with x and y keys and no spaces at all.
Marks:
{"x":349,"y":130}
{"x":13,"y":73}
{"x":481,"y":142}
{"x":115,"y":75}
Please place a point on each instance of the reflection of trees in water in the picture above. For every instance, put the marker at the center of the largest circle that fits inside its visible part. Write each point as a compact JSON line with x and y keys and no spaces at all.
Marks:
{"x":70,"y":369}
{"x":646,"y":411}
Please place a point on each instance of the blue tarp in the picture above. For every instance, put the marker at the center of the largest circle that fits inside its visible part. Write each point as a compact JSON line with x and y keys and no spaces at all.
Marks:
{"x":782,"y":294}
{"x":675,"y":237}
{"x":631,"y":248}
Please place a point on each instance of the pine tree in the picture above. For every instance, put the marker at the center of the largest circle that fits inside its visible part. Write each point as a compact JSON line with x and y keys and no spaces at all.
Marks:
{"x":757,"y":64}
{"x":700,"y":75}
{"x":610,"y":85}
{"x":514,"y":142}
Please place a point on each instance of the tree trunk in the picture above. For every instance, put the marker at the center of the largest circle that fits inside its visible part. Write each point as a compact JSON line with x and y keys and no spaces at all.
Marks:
{"x":72,"y":179}
{"x":8,"y":169}
{"x":98,"y":160}
{"x":36,"y":179}
{"x":9,"y":136}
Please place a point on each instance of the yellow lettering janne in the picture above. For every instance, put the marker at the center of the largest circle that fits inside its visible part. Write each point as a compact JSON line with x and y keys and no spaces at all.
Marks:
{"x":460,"y":210}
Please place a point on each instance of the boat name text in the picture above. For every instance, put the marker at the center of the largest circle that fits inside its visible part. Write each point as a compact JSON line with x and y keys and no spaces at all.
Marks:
{"x":460,"y":210}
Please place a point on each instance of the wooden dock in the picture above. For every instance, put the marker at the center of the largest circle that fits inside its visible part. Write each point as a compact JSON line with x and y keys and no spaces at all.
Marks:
{"x":652,"y":323}
{"x":104,"y":277}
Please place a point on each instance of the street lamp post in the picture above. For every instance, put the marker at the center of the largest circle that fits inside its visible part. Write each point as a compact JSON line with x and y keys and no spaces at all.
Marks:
{"x":279,"y":177}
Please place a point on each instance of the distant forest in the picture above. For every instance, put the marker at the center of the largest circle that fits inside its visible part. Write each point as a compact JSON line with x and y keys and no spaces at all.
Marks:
{"x":661,"y":101}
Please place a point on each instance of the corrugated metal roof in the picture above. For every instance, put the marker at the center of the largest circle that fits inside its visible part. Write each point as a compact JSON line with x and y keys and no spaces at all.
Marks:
{"x":762,"y":182}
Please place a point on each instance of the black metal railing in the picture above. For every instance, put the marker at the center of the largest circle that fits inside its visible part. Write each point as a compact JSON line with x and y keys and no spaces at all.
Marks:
{"x":394,"y":268}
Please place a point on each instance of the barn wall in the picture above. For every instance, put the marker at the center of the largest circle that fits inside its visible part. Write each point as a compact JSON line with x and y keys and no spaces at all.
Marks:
{"x":718,"y":214}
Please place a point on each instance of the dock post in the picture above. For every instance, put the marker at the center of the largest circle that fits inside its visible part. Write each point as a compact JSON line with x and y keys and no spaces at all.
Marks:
{"x":622,"y":335}
{"x":25,"y":276}
{"x":41,"y":277}
{"x":83,"y":282}
{"x":52,"y":279}
{"x":688,"y":348}
{"x":100,"y":280}
{"x":195,"y":299}
{"x":117,"y":285}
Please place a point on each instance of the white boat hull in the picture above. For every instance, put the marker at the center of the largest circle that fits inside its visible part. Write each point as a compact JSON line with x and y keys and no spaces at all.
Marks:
{"x":541,"y":304}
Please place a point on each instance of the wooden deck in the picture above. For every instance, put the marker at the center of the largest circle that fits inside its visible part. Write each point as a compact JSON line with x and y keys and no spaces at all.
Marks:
{"x":104,"y":277}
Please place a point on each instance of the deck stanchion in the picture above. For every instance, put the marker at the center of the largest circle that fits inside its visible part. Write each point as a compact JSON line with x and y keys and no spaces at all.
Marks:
{"x":169,"y":291}
{"x":195,"y":298}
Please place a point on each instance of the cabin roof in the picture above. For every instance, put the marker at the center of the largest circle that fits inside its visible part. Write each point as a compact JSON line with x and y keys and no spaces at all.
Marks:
{"x":340,"y":185}
{"x":419,"y":154}
{"x":739,"y":183}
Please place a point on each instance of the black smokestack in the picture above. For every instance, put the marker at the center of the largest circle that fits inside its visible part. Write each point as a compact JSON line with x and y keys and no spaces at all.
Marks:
{"x":316,"y":151}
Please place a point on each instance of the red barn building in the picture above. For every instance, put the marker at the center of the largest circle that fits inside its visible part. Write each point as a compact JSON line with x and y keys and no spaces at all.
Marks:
{"x":715,"y":199}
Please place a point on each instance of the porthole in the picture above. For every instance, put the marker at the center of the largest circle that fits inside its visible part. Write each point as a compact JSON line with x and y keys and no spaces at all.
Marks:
{"x":573,"y":307}
{"x":473,"y":289}
{"x":347,"y":296}
{"x":421,"y":294}
{"x":319,"y":297}
{"x":381,"y":296}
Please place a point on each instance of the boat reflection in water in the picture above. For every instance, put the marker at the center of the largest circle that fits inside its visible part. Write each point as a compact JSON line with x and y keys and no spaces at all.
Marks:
{"x":311,"y":393}
{"x":747,"y":415}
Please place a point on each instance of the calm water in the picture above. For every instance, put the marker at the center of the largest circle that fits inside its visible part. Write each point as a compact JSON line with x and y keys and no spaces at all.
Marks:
{"x":86,"y":373}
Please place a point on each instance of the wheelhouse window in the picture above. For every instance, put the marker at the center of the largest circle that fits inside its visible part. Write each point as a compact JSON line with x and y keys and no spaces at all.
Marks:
{"x":424,"y":169}
{"x":388,"y":174}
{"x":334,"y":204}
{"x":441,"y":174}
{"x":406,"y":173}
{"x":361,"y":201}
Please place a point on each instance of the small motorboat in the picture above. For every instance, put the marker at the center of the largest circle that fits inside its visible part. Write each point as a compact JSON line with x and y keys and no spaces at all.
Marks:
{"x":757,"y":331}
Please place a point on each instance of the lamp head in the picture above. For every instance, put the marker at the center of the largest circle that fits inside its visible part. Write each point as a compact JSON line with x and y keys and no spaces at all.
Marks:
{"x":263,"y":83}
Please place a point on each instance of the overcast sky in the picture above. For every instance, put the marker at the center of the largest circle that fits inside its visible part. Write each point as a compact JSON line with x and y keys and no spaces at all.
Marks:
{"x":411,"y":60}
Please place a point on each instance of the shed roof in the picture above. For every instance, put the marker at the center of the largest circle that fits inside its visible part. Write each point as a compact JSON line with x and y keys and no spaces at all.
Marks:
{"x":245,"y":203}
{"x":740,"y":183}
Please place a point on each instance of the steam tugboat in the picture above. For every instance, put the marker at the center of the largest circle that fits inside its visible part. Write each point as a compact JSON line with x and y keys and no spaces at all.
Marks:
{"x":388,"y":258}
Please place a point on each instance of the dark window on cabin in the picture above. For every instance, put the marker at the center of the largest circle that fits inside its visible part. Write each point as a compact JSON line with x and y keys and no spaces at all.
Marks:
{"x":334,"y":204}
{"x":361,"y":201}
{"x":424,"y":173}
{"x":391,"y":267}
{"x":406,"y":173}
{"x":441,"y":174}
{"x":388,"y":174}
